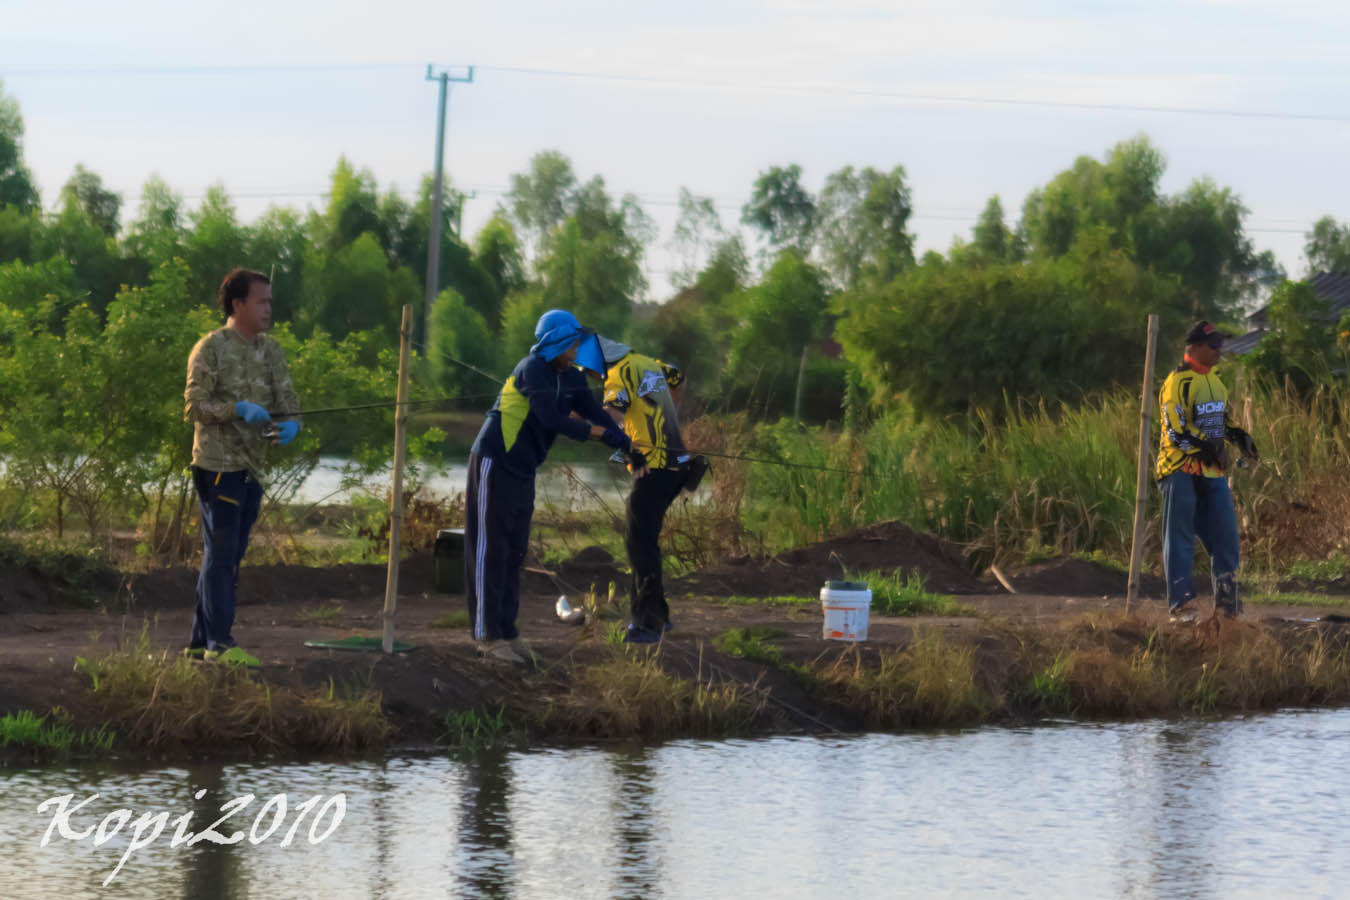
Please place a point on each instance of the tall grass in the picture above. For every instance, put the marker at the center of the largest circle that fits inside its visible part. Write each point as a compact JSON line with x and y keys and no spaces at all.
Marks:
{"x":1045,"y":480}
{"x":153,"y":699}
{"x":633,"y":696}
{"x":932,"y":682}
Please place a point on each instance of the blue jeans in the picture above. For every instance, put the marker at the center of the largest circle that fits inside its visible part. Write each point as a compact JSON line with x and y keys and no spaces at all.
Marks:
{"x":229,"y":504}
{"x":1195,"y":506}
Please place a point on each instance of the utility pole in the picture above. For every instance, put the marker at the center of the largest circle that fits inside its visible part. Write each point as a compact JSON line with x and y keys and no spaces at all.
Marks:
{"x":437,"y":195}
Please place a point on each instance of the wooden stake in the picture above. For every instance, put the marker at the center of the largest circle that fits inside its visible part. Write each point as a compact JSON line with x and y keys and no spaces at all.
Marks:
{"x":1146,"y":402}
{"x":396,"y":499}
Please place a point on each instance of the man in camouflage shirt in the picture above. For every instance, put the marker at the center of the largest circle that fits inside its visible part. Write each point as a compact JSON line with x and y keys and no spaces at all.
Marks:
{"x":235,"y":375}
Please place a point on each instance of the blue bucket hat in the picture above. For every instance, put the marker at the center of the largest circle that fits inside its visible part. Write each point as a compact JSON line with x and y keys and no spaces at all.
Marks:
{"x":556,"y":330}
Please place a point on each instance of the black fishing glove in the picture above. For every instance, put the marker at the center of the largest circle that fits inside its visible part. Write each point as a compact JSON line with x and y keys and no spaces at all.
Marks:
{"x":1211,"y":453}
{"x":694,"y":470}
{"x":1244,"y":442}
{"x":636,"y":459}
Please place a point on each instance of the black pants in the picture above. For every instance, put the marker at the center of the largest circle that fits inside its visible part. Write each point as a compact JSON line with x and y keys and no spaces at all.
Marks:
{"x":498,"y":507}
{"x":647,"y":504}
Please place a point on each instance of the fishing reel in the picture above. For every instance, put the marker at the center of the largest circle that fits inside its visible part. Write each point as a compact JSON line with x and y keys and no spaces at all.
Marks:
{"x":271,"y":432}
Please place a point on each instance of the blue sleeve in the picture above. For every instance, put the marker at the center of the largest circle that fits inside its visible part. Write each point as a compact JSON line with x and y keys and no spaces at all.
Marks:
{"x":540,"y":385}
{"x":588,"y":406}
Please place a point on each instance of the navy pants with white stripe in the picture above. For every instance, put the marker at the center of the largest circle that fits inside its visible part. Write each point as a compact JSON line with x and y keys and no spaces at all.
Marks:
{"x":498,"y":507}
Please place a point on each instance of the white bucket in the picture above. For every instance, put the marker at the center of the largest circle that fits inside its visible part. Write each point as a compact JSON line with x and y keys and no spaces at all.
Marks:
{"x":846,"y":605}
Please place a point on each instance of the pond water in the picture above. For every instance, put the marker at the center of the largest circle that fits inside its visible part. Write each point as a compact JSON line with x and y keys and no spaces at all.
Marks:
{"x":574,"y":485}
{"x":1250,"y":807}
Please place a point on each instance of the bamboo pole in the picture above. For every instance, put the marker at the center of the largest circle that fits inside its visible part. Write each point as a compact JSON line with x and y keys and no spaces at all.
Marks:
{"x":396,"y":498}
{"x":1146,"y":402}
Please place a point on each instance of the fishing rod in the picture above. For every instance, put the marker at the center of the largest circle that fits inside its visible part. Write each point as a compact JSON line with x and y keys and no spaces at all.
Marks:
{"x":384,"y":404}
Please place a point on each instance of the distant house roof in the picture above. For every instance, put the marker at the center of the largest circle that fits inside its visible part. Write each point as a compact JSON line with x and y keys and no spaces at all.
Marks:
{"x":1245,"y":343}
{"x":1333,"y":287}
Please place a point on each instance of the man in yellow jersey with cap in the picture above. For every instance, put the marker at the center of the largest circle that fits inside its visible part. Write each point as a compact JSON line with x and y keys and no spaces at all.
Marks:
{"x":1192,"y":472}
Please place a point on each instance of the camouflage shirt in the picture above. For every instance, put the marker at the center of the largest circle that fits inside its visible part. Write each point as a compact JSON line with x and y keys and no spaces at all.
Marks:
{"x":224,"y":368}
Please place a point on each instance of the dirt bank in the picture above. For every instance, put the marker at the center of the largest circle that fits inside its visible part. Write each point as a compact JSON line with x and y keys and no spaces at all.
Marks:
{"x":1029,"y":653}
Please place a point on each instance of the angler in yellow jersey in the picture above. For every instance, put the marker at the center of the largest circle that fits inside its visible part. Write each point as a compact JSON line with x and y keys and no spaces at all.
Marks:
{"x":1192,"y":472}
{"x":639,"y":394}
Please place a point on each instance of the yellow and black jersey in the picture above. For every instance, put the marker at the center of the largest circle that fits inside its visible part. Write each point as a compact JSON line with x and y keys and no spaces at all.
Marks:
{"x":1191,"y":405}
{"x":639,"y":387}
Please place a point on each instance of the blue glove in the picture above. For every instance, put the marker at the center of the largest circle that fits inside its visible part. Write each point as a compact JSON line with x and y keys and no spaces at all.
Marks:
{"x":251,"y":413}
{"x":287,"y":431}
{"x":615,"y":438}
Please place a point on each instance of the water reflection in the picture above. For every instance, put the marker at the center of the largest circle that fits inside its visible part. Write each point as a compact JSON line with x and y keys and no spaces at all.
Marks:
{"x":213,"y":871}
{"x":636,"y":863}
{"x":1238,"y":808}
{"x":482,"y":863}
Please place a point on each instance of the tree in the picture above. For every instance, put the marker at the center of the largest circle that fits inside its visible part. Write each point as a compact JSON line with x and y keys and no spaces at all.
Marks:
{"x":1302,"y":346}
{"x":460,"y":336}
{"x":1327,"y":246}
{"x":354,"y":290}
{"x":698,"y":228}
{"x":497,"y":249}
{"x":280,"y":246}
{"x":353,"y":208}
{"x":156,"y":235}
{"x":215,"y":244}
{"x":540,"y":200}
{"x":726,"y":271}
{"x":593,"y":261}
{"x":863,"y":220}
{"x":16,"y":182}
{"x":21,"y":233}
{"x":959,"y":339}
{"x":520,"y":314}
{"x":993,"y":241}
{"x":1196,"y":235}
{"x":85,"y":192}
{"x":783,"y":211}
{"x":43,"y":293}
{"x":458,"y":269}
{"x":778,"y":319}
{"x":95,"y":257}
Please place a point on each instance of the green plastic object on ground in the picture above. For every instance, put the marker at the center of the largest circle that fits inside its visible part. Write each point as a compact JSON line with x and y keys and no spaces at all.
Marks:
{"x":360,"y":644}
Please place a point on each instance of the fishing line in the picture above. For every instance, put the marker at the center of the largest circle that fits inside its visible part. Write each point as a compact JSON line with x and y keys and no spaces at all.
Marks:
{"x":759,"y":460}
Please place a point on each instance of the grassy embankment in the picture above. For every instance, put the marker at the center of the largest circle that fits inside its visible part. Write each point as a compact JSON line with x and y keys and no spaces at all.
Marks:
{"x":1100,"y":666}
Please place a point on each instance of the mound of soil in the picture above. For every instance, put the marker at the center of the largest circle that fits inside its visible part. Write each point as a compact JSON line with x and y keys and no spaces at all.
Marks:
{"x":591,"y":566}
{"x":1069,"y":577}
{"x":885,"y":547}
{"x":25,"y":589}
{"x":22,"y":590}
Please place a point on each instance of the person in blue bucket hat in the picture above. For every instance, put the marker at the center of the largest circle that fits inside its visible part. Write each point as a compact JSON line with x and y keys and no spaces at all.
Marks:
{"x":534,"y":406}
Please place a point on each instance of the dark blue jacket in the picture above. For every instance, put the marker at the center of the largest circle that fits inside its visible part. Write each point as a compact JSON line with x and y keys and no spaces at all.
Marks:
{"x":533,"y":408}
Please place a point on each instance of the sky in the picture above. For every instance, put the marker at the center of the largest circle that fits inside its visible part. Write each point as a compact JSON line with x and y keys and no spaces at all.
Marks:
{"x":973,"y":98}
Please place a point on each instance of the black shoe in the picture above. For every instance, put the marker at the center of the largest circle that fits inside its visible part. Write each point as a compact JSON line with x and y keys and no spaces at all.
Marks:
{"x":638,"y":635}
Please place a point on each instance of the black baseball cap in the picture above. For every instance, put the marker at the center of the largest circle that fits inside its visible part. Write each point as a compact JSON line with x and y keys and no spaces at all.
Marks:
{"x":1203,"y":332}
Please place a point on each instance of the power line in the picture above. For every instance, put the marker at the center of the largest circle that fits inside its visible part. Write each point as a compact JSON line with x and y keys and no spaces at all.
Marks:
{"x":754,"y":87}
